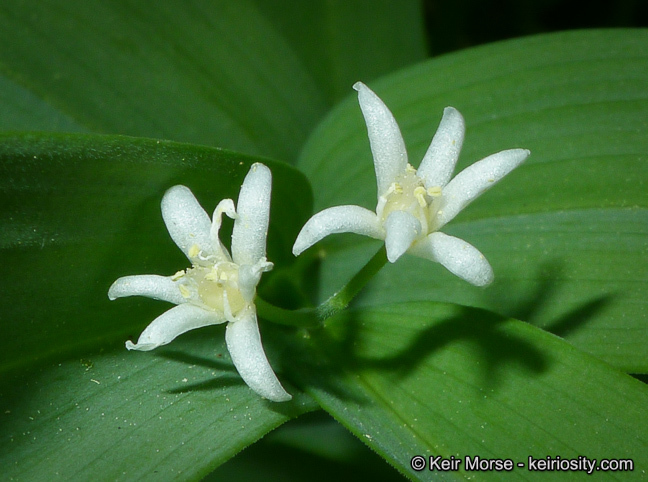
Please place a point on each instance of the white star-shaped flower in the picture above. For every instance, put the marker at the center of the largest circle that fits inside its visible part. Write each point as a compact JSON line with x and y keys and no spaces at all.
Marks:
{"x":414,"y":204}
{"x":218,"y":287}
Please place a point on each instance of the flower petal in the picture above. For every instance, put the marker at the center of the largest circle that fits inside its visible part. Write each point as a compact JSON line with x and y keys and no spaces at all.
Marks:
{"x":187,"y":222}
{"x":338,"y":219}
{"x":150,"y":285}
{"x":249,"y":277}
{"x":459,"y":257}
{"x":474,"y":180}
{"x":439,"y":161}
{"x":253,"y":213}
{"x":226,"y":206}
{"x":387,"y":145}
{"x":402,"y":229}
{"x":244,"y":344}
{"x":172,"y":323}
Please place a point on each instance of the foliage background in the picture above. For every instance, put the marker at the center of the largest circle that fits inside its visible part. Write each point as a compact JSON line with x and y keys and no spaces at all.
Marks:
{"x":39,"y":368}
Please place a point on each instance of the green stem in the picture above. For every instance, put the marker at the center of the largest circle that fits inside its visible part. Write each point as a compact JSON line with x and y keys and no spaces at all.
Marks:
{"x":313,"y":317}
{"x":302,"y":318}
{"x":342,"y":298}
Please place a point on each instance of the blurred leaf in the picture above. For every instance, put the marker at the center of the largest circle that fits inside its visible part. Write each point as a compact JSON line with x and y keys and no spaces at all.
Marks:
{"x":78,"y":211}
{"x":172,"y":414}
{"x":21,"y":109}
{"x":566,"y":232}
{"x":254,"y":78}
{"x":341,"y":42}
{"x":315,"y":448}
{"x":430,"y":379}
{"x":209,"y":73}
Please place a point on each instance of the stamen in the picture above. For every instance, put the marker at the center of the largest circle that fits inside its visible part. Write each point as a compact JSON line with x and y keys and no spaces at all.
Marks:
{"x":434,"y":191}
{"x":194,"y":251}
{"x":419,"y":194}
{"x":184,"y":291}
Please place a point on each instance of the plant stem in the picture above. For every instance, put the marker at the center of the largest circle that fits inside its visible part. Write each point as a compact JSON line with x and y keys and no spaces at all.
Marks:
{"x":302,"y":318}
{"x":313,"y":317}
{"x":343,"y":297}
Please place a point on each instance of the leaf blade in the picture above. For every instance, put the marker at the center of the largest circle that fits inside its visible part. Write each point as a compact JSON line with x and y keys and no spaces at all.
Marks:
{"x":78,"y":211}
{"x":430,"y":379}
{"x":177,"y":413}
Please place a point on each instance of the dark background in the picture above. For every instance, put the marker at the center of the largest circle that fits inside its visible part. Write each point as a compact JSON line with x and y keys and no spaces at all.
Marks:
{"x":457,"y":24}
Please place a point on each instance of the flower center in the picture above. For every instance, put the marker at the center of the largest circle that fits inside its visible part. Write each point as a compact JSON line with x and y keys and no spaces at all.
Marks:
{"x":213,"y":284}
{"x":408,"y":193}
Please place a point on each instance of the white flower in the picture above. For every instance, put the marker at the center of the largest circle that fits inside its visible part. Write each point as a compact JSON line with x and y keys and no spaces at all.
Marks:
{"x":218,"y":287}
{"x":413,"y":205}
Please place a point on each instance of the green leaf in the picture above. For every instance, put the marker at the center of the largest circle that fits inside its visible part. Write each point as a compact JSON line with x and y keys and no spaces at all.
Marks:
{"x":173,"y":414}
{"x":20,"y":110}
{"x":186,"y":71}
{"x":566,"y":232}
{"x":341,"y":42}
{"x":432,"y":379}
{"x":80,"y":211}
{"x":250,"y":76}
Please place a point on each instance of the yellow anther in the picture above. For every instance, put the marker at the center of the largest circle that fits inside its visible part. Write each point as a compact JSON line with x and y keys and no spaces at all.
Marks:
{"x":212,"y":275}
{"x":398,"y":189}
{"x":410,"y":168}
{"x":391,"y":189}
{"x":178,"y":275}
{"x":419,"y":194}
{"x":194,"y":251}
{"x":434,"y":191}
{"x":184,"y":291}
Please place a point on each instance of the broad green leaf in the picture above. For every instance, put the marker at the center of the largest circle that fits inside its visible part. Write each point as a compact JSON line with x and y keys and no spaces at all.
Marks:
{"x":434,"y":379}
{"x":79,"y":211}
{"x":250,"y":76}
{"x":566,"y":232}
{"x":342,"y":42}
{"x":208,"y":73}
{"x":172,"y":414}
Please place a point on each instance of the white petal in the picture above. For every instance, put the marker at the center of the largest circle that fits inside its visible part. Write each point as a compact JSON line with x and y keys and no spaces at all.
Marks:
{"x":249,"y":277}
{"x":387,"y":145}
{"x":338,"y":219}
{"x":170,"y":324}
{"x":150,"y":285}
{"x":474,"y":180}
{"x":402,"y":229}
{"x":459,"y":257}
{"x":187,"y":222}
{"x":253,"y":214}
{"x":439,"y":161}
{"x":244,"y":344}
{"x":226,"y":206}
